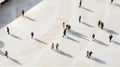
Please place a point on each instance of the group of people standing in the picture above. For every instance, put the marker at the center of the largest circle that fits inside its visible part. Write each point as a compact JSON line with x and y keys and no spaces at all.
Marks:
{"x":66,"y":28}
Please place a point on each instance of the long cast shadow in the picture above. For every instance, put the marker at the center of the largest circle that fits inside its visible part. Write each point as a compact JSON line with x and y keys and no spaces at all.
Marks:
{"x":116,"y":42}
{"x":15,"y":36}
{"x":63,"y":53}
{"x":30,"y":18}
{"x":111,"y":31}
{"x":39,"y":41}
{"x":14,"y":60}
{"x":2,"y":44}
{"x":77,"y":34}
{"x":87,"y":9}
{"x":98,"y":60}
{"x":100,"y":42}
{"x":88,"y":24}
{"x":72,"y":39}
{"x":116,"y":4}
{"x":6,"y":12}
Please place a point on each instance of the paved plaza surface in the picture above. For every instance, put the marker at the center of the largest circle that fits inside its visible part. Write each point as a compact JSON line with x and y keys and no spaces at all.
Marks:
{"x":45,"y":18}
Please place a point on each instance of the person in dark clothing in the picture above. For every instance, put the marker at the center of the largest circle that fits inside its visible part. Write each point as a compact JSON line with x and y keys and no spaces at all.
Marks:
{"x":87,"y":54}
{"x":93,"y":36}
{"x":6,"y":54}
{"x":69,"y":27}
{"x":52,"y":47}
{"x":99,"y":23}
{"x":64,"y":32}
{"x":8,"y":31}
{"x":57,"y":45}
{"x":90,"y":54}
{"x":23,"y":12}
{"x":111,"y":1}
{"x":110,"y":37}
{"x":80,"y":4}
{"x":32,"y":34}
{"x":102,"y":25}
{"x":79,"y":19}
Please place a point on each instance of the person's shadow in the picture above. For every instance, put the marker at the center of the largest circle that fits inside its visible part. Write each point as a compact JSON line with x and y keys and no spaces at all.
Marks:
{"x":39,"y":41}
{"x":116,"y":4}
{"x":116,"y":42}
{"x":77,"y":34}
{"x":87,"y":9}
{"x":87,"y":24}
{"x":111,"y":31}
{"x":98,"y":60}
{"x":15,"y":36}
{"x":100,"y":42}
{"x":30,"y":18}
{"x":14,"y":60}
{"x":72,"y":39}
{"x":63,"y":53}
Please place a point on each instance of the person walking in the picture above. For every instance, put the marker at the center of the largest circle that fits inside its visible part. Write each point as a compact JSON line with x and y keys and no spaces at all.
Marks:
{"x":57,"y":45}
{"x":87,"y":54}
{"x":80,"y":4}
{"x":23,"y":12}
{"x":32,"y":34}
{"x":90,"y":53}
{"x":99,"y":23}
{"x":102,"y":25}
{"x":64,"y":25}
{"x":69,"y":27}
{"x":111,"y":1}
{"x":110,"y":37}
{"x":64,"y":32}
{"x":93,"y":36}
{"x":52,"y":47}
{"x":6,"y":54}
{"x":8,"y":31}
{"x":79,"y":19}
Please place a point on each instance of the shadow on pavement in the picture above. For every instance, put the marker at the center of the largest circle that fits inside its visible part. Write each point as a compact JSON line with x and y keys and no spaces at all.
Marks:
{"x":39,"y":41}
{"x":98,"y":60}
{"x":15,"y":36}
{"x":100,"y":42}
{"x":14,"y":60}
{"x":87,"y":9}
{"x":111,"y":31}
{"x":63,"y":53}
